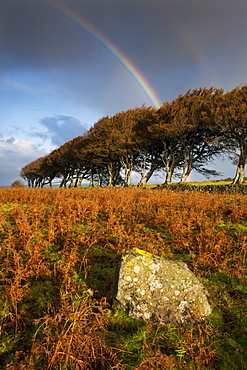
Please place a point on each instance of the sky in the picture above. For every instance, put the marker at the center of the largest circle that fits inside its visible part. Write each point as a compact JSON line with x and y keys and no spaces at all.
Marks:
{"x":64,"y":64}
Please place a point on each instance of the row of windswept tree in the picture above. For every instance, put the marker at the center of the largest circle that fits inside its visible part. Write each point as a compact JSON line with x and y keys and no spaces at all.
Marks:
{"x":184,"y":135}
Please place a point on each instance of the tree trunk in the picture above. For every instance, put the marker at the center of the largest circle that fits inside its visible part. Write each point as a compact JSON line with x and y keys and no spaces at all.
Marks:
{"x":128,"y":165}
{"x":72,"y":183}
{"x":170,"y":164}
{"x":110,"y":173}
{"x":239,"y":177}
{"x":143,"y":166}
{"x":170,"y":160}
{"x":100,"y":177}
{"x":147,"y":176}
{"x":91,"y":178}
{"x":187,"y":168}
{"x":62,"y":183}
{"x":168,"y":178}
{"x":127,"y":177}
{"x":80,"y":181}
{"x":116,"y":171}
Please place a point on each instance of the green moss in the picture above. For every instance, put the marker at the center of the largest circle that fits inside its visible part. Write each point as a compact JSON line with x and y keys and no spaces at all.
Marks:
{"x":229,"y":320}
{"x":101,"y":270}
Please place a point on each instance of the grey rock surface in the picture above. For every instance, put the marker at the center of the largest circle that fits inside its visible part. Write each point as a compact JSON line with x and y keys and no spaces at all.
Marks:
{"x":159,"y":290}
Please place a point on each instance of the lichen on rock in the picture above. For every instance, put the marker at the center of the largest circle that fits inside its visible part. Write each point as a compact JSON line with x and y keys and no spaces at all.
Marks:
{"x":159,"y":290}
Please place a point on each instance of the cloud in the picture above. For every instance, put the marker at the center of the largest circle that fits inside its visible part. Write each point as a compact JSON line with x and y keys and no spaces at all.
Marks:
{"x":35,"y":34}
{"x":15,"y":85}
{"x":15,"y":154}
{"x":160,"y":37}
{"x":154,"y":32}
{"x":61,"y":129}
{"x":12,"y":146}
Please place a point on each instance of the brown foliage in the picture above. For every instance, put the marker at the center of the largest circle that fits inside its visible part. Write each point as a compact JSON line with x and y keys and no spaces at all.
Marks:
{"x":47,"y":239}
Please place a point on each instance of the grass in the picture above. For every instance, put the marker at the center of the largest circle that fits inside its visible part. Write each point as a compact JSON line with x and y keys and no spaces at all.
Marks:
{"x":209,"y":182}
{"x":202,"y":183}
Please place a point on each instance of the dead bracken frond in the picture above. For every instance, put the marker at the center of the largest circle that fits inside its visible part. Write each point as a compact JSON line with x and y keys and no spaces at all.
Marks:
{"x":58,"y":253}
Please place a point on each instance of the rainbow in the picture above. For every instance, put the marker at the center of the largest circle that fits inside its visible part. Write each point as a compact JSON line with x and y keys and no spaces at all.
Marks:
{"x":111,"y":48}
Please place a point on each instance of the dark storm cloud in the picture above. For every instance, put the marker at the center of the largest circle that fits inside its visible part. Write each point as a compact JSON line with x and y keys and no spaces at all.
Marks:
{"x":34,"y":34}
{"x":149,"y":31}
{"x":174,"y":43}
{"x":61,"y":129}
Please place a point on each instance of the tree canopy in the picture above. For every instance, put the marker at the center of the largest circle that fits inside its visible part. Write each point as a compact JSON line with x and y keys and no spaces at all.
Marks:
{"x":183,"y":135}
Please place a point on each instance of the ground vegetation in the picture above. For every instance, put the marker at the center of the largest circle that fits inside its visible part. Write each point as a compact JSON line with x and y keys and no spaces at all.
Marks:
{"x":59,"y":249}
